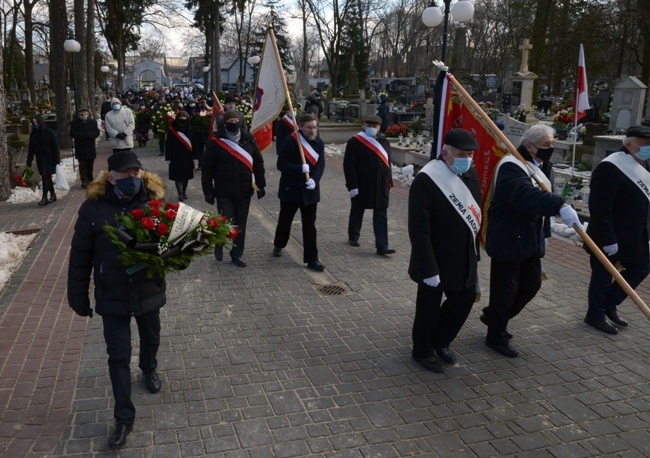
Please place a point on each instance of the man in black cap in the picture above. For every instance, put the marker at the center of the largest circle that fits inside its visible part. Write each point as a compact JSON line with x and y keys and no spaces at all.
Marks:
{"x":368,"y":177}
{"x":118,"y":294}
{"x":619,"y":218}
{"x":515,"y":239}
{"x":84,"y":131}
{"x":444,"y":247}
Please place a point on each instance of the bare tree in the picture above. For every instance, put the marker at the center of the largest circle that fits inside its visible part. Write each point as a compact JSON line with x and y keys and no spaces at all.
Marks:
{"x":58,"y":27}
{"x":5,"y":162}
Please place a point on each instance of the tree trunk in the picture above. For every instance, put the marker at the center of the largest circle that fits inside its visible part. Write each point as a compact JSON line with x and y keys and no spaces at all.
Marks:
{"x":89,"y":49}
{"x":81,"y":64}
{"x":538,"y":40}
{"x":58,"y":27}
{"x":216,"y":50}
{"x":29,"y":50}
{"x":5,"y":162}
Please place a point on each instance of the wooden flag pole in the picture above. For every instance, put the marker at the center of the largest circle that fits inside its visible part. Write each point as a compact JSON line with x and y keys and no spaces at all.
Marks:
{"x":288,"y":96}
{"x":590,"y":243}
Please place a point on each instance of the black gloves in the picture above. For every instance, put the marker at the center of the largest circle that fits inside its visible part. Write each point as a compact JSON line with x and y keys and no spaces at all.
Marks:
{"x":84,"y":311}
{"x":209,"y":198}
{"x":261,"y":193}
{"x":29,"y":165}
{"x":121,"y":136}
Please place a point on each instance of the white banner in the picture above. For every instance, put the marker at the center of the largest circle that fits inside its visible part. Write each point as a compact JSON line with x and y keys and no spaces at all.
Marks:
{"x":187,"y":219}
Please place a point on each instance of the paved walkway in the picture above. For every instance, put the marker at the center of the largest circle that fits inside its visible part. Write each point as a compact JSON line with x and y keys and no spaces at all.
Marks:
{"x":257,"y":362}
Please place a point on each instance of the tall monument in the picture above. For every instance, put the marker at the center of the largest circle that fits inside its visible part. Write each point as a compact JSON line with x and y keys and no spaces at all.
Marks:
{"x":522,"y":82}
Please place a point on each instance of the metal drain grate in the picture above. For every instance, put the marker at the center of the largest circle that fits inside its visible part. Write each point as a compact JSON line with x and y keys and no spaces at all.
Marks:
{"x":332,"y":290}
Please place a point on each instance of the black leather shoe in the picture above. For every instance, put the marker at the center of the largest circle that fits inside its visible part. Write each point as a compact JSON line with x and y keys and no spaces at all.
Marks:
{"x":446,"y":355}
{"x":614,"y":318}
{"x":385,"y":252}
{"x":504,"y":349}
{"x":118,"y":436}
{"x":353,"y":242}
{"x":43,"y":201}
{"x":218,"y":253}
{"x":430,"y":363}
{"x":238,"y":262}
{"x":52,"y":197}
{"x":152,"y":382}
{"x":315,"y":265}
{"x":603,"y":326}
{"x":277,"y":252}
{"x":506,"y":334}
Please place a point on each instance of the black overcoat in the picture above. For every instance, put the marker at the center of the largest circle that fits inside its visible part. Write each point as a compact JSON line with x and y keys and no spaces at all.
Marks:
{"x":441,"y":243}
{"x":84,"y":134}
{"x":43,"y":146}
{"x":181,"y":159}
{"x":292,"y":180}
{"x":364,"y":170}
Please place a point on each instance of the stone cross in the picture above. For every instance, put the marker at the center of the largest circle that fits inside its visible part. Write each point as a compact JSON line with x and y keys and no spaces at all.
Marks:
{"x":525,"y":47}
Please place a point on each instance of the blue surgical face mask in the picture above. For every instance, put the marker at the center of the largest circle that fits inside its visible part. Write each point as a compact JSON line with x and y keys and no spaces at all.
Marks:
{"x":129,"y":186}
{"x":371,"y":132}
{"x":644,"y":152}
{"x":461,"y":164}
{"x":117,"y":107}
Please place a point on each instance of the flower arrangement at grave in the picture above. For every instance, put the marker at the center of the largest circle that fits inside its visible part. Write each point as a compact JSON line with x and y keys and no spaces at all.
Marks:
{"x":521,"y":112}
{"x":396,"y":130}
{"x":417,"y":105}
{"x":563,"y":117}
{"x":24,"y":180}
{"x":201,"y":121}
{"x":165,"y":237}
{"x":246,"y":109}
{"x":161,"y":120}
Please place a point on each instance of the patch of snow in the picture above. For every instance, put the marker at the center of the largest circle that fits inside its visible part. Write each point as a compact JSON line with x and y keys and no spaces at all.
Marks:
{"x":24,"y":195}
{"x":12,"y":251}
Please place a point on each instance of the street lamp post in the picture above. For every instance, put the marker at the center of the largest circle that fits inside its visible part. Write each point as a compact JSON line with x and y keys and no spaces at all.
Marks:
{"x":73,"y":47}
{"x":105,"y":70}
{"x":253,"y":61}
{"x":115,"y":82}
{"x":463,"y":10}
{"x":206,"y":69}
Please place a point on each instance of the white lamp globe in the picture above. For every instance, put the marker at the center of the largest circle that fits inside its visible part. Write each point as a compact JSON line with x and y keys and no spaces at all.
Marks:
{"x":206,"y":69}
{"x":462,"y":11}
{"x":432,"y":16}
{"x":71,"y":45}
{"x":254,"y":60}
{"x":105,"y":69}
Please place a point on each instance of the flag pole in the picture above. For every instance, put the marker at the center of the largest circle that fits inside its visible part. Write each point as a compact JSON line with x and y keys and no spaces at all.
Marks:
{"x":590,"y":243}
{"x":288,"y":96}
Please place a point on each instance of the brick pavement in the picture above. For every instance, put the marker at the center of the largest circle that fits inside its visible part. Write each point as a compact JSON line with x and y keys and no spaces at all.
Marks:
{"x":255,"y":362}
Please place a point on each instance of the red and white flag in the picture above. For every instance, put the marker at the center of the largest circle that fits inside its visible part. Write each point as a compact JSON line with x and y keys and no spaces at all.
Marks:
{"x":582,"y":91}
{"x":270,"y":93}
{"x":217,"y":109}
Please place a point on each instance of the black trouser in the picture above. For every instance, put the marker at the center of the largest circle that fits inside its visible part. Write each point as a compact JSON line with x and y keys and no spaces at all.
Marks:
{"x":379,"y":224}
{"x":512,"y":286}
{"x":237,"y":210}
{"x":309,"y":235}
{"x":86,"y":170}
{"x":161,"y":143}
{"x":117,"y":335}
{"x":181,"y":188}
{"x":438,"y":325}
{"x":48,"y":184}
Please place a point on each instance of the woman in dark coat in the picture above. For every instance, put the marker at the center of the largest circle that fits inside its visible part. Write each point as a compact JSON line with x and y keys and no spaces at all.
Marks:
{"x":43,"y":145}
{"x":179,"y":153}
{"x":84,"y":130}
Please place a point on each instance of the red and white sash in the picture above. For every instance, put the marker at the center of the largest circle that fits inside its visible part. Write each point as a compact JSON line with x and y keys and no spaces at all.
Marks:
{"x":187,"y":143}
{"x":310,"y":154}
{"x":288,"y":121}
{"x":631,"y":169}
{"x":237,"y":152}
{"x":375,"y":146}
{"x":458,"y":195}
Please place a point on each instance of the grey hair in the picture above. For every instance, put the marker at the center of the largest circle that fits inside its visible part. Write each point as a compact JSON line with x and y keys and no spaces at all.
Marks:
{"x":627,"y":140}
{"x":536,"y":132}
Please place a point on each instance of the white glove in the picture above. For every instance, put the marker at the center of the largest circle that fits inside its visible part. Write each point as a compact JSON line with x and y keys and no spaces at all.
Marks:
{"x":611,"y":250}
{"x":196,"y":163}
{"x":305,"y":168}
{"x":432,"y":281}
{"x":168,"y":162}
{"x":311,"y":184}
{"x":570,"y":217}
{"x":354,"y":192}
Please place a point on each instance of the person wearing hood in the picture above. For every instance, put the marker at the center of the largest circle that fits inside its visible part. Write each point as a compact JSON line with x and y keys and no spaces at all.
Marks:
{"x":515,"y":238}
{"x":119,"y":296}
{"x":43,"y":146}
{"x":180,"y":153}
{"x":120,"y":124}
{"x":84,"y":131}
{"x":232,"y":170}
{"x":230,"y":103}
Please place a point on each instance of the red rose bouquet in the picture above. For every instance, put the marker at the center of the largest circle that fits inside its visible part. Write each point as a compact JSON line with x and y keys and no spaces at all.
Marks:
{"x":165,"y":237}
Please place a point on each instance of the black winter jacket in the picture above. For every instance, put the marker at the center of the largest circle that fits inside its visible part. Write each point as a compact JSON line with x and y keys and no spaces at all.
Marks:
{"x":43,"y":145}
{"x":181,"y":159}
{"x":364,"y":170}
{"x":222,"y":175}
{"x":92,"y":251}
{"x":292,"y":181}
{"x":84,"y":134}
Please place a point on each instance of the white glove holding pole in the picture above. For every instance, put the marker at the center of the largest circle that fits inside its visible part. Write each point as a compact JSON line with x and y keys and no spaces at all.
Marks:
{"x":354,"y":192}
{"x":196,"y":163}
{"x":305,"y":168}
{"x":311,"y":184}
{"x":570,"y":217}
{"x":611,"y":250}
{"x":432,"y":281}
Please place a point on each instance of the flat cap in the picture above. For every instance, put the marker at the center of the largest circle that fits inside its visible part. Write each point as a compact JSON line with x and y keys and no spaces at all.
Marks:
{"x":461,"y":139}
{"x":638,"y":132}
{"x":373,"y":119}
{"x":124,"y":160}
{"x":230,"y":99}
{"x":230,"y":114}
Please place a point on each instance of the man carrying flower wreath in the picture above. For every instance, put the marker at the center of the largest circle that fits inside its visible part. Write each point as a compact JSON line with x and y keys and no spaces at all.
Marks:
{"x":118,"y":296}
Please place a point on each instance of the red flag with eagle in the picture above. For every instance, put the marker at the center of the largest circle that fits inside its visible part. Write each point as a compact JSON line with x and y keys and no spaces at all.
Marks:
{"x":453,"y":112}
{"x":270,"y":93}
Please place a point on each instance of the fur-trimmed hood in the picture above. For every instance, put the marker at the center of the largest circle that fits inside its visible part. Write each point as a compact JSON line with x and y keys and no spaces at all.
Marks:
{"x":152,"y":182}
